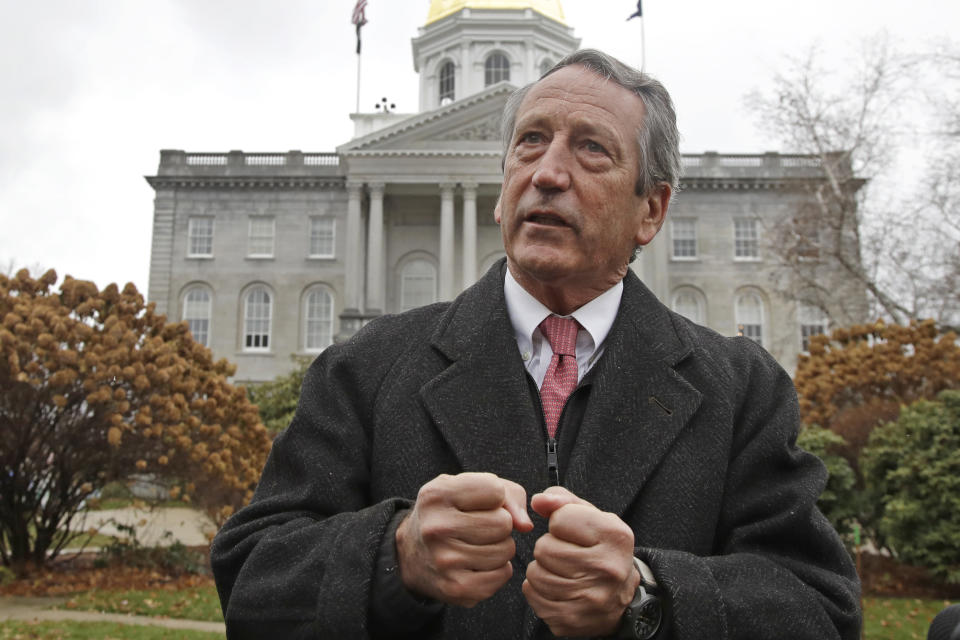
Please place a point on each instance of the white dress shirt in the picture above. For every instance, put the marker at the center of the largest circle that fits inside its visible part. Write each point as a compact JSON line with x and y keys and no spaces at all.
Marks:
{"x":526,"y":313}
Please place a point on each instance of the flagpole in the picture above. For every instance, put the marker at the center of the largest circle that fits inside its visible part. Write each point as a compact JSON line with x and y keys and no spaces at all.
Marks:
{"x":643,"y":48}
{"x":643,"y":42}
{"x":358,"y":20}
{"x":358,"y":83}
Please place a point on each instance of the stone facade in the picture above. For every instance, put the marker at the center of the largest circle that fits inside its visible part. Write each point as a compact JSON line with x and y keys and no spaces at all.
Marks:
{"x":273,"y":254}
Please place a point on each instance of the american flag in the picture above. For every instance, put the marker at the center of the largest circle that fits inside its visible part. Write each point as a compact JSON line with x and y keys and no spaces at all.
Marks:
{"x":359,"y":18}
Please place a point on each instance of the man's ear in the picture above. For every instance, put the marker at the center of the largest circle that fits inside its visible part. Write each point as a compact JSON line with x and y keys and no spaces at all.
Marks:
{"x":655,"y":204}
{"x":496,"y":211}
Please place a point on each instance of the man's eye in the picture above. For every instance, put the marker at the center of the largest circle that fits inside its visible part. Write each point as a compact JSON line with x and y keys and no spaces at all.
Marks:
{"x":531,"y":138}
{"x":594,"y":147}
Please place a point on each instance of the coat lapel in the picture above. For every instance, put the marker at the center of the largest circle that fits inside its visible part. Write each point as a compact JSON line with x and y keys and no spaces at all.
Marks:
{"x":481,"y":402}
{"x":638,"y":404}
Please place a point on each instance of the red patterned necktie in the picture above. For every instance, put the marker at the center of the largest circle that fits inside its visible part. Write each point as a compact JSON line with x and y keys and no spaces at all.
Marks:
{"x":561,"y":378}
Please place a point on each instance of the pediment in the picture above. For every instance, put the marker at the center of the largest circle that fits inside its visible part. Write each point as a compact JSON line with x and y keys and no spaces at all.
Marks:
{"x":470,"y":125}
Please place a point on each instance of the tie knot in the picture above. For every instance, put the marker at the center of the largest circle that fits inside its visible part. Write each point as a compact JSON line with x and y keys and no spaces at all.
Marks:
{"x":561,"y":333}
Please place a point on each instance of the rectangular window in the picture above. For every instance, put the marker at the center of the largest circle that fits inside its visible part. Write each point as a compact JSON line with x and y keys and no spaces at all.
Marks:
{"x":683,"y":232}
{"x":804,"y":236}
{"x":322,"y":237}
{"x":807,"y":331}
{"x":752,"y":331}
{"x":813,"y":322}
{"x":746,"y":241}
{"x":200,"y":237}
{"x":260,"y":244}
{"x":808,"y":243}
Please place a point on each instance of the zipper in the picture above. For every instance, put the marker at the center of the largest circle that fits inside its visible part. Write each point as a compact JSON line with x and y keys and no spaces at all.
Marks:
{"x":553,"y":465}
{"x":553,"y":458}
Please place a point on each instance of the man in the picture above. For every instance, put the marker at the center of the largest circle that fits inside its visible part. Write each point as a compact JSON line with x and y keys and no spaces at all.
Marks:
{"x":667,"y":497}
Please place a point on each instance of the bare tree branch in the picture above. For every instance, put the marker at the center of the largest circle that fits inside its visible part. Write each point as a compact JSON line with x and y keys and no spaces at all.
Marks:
{"x":868,"y":229}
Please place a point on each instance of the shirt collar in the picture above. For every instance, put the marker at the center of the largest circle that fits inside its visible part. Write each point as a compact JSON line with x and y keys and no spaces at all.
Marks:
{"x":526,"y":312}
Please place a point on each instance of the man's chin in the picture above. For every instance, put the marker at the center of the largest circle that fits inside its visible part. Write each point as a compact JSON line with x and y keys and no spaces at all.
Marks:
{"x":548,"y":267}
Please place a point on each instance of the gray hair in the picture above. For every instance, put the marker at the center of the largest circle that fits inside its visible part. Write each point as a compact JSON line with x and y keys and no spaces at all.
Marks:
{"x":658,"y":140}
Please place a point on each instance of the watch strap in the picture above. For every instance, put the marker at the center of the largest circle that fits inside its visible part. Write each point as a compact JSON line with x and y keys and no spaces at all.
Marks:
{"x":646,"y":575}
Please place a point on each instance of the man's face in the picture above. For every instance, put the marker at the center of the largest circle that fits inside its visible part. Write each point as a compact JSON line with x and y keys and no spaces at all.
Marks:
{"x":568,"y":210}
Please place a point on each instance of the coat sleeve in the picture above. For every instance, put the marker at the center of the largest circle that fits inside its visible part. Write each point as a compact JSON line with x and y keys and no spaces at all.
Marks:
{"x":779,"y":570}
{"x":299,"y":561}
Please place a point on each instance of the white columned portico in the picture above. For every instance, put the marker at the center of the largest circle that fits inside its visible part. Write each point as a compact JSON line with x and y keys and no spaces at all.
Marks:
{"x":376,"y":292}
{"x":446,"y":240}
{"x":469,"y":233}
{"x":353,"y":278}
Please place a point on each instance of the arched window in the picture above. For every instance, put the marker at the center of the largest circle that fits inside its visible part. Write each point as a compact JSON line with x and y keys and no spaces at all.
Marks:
{"x":447,"y":83}
{"x":496,"y":69}
{"x":418,"y":284}
{"x":687,"y":304}
{"x":489,"y":261}
{"x":545,"y":65}
{"x":196,"y":313}
{"x":749,"y":310}
{"x":813,"y":321}
{"x":257,"y":307}
{"x":318,"y":320}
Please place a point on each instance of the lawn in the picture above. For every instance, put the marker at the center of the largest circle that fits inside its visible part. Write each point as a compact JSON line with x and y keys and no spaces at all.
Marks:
{"x":195,"y":603}
{"x":17,"y":630}
{"x":899,"y":618}
{"x":885,"y":618}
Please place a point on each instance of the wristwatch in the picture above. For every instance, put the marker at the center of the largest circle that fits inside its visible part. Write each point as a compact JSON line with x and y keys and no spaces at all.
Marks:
{"x":644,"y":615}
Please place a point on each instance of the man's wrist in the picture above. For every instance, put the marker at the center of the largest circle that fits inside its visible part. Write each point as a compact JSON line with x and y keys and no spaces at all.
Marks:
{"x":643,"y":617}
{"x":393,"y":605}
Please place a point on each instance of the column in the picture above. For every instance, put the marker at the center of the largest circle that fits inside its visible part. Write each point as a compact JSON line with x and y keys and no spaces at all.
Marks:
{"x":464,"y":72}
{"x":446,"y":240}
{"x":353,"y":282}
{"x":655,"y":259}
{"x":531,"y":72}
{"x":469,"y":233}
{"x":376,"y":298}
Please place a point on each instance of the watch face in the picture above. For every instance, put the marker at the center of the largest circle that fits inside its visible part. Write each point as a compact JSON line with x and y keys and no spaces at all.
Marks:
{"x":646,"y":618}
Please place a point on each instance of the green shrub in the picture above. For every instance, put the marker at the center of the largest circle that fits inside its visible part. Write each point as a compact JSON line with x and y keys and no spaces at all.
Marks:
{"x":277,"y":399}
{"x":840,"y":502}
{"x":126,"y":550}
{"x":912,"y":469}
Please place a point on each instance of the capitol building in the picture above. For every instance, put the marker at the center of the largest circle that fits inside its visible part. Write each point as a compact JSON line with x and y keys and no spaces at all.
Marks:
{"x":268,"y":255}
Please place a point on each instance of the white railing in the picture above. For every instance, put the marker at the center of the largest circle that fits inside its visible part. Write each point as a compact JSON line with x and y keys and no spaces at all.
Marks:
{"x":321,"y":159}
{"x":741,"y":161}
{"x":265,"y":159}
{"x":207,"y":159}
{"x":812,"y":162}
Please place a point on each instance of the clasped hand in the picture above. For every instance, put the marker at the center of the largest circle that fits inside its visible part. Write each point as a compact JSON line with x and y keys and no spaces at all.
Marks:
{"x":456,"y":547}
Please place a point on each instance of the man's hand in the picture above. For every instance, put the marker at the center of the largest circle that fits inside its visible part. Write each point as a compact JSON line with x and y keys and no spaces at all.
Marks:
{"x":455,"y":546}
{"x":582,"y":577}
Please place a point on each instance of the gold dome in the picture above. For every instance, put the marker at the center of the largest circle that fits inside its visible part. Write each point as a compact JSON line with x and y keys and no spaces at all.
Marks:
{"x":443,"y":8}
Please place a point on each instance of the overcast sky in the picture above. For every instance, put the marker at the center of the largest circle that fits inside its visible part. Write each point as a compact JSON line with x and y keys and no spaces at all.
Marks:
{"x":93,"y":89}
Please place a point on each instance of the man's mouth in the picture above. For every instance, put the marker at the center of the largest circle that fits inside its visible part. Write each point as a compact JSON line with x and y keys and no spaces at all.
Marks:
{"x":547,"y":219}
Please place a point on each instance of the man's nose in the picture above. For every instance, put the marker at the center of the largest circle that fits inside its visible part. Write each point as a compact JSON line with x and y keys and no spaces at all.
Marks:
{"x":552,"y":172}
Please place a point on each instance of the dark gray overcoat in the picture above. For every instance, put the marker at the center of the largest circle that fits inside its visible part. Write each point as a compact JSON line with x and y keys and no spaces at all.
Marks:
{"x":687,"y":436}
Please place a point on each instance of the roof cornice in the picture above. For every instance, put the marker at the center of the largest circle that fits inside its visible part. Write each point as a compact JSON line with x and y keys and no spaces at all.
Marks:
{"x":245,"y":182}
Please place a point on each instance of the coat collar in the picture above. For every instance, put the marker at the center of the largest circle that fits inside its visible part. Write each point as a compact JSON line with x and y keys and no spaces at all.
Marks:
{"x":639,"y":404}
